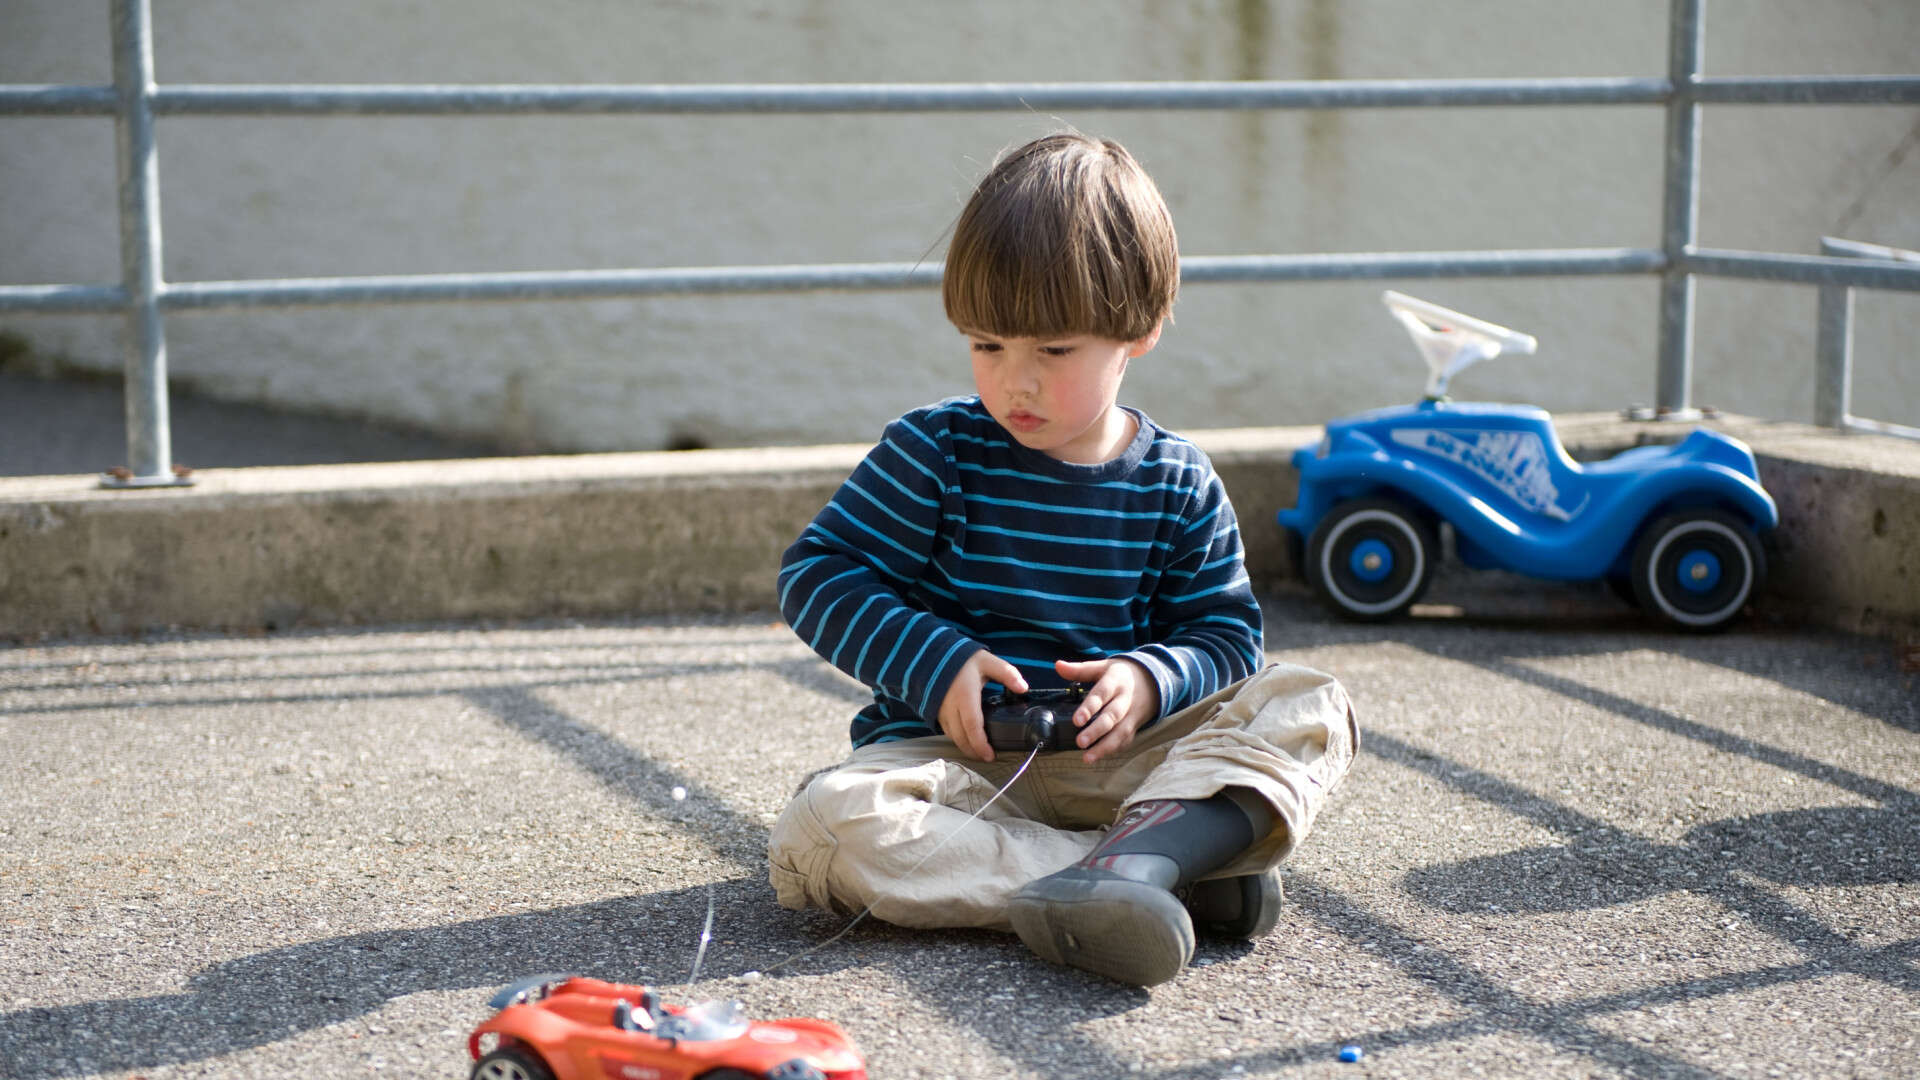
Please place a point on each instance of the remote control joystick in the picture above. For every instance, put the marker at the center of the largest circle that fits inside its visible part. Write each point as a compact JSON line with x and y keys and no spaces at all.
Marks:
{"x":1037,"y":718}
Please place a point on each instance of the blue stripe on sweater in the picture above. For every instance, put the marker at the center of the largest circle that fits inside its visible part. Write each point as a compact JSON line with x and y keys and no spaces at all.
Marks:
{"x":951,"y":537}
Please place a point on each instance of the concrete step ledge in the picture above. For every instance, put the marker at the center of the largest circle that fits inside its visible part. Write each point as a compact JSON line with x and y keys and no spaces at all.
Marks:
{"x":651,"y":533}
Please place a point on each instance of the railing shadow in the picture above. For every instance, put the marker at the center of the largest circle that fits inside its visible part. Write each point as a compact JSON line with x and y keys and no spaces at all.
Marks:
{"x":256,"y":1000}
{"x":259,"y":999}
{"x":1847,"y":670}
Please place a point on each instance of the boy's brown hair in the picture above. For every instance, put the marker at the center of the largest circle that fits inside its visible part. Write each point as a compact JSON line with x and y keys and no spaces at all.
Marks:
{"x":1066,"y":235}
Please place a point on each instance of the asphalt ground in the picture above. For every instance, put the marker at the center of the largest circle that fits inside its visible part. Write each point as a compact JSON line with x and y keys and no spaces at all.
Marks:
{"x":1573,"y":846}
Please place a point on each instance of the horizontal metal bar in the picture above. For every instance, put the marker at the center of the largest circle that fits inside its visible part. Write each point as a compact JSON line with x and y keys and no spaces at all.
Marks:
{"x":1833,"y":245}
{"x":1206,"y":269}
{"x":548,"y":285}
{"x":210,"y":99}
{"x":215,"y":99}
{"x":1806,"y":90}
{"x":1804,"y":269}
{"x":54,"y":299}
{"x":1879,"y":427}
{"x":871,"y":276}
{"x":590,"y":284}
{"x":47,"y":100}
{"x":908,"y":97}
{"x":1198,"y":270}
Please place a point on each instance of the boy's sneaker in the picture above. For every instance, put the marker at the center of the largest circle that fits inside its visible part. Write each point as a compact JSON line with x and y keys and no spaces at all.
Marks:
{"x":1098,"y":921}
{"x":1236,"y":907}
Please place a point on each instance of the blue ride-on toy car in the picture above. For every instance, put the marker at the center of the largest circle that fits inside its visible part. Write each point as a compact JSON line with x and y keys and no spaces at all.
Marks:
{"x":1674,"y":528}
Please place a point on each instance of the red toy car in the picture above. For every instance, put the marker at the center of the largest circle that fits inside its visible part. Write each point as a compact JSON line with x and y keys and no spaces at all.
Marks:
{"x":565,"y":1027}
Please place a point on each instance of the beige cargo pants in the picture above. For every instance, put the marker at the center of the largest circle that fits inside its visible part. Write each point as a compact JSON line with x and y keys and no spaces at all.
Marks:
{"x":856,"y":835}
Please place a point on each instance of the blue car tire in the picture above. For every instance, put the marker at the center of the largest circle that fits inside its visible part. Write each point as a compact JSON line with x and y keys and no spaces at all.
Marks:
{"x":1372,"y":558}
{"x":1697,"y":569}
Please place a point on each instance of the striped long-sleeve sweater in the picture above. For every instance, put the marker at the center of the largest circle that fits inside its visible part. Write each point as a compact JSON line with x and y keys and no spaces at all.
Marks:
{"x":951,"y":537}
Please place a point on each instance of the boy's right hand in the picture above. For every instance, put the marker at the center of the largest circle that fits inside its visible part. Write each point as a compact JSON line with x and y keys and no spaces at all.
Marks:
{"x":960,"y":715}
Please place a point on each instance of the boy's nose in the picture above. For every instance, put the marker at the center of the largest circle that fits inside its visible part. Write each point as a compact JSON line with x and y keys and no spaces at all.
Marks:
{"x":1023,"y":378}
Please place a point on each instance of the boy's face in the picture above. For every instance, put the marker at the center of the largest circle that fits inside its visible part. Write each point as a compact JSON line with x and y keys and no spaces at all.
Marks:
{"x":1056,"y":395}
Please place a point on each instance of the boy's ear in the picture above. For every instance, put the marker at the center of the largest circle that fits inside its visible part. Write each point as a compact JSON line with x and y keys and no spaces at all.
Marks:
{"x":1143,"y":346}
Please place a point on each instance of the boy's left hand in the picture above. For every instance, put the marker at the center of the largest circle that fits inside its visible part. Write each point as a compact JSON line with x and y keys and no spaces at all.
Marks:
{"x":1122,"y":699}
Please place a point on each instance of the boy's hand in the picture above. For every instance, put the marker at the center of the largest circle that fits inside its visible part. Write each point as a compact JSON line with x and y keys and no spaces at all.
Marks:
{"x":960,"y":715}
{"x":1121,"y":700}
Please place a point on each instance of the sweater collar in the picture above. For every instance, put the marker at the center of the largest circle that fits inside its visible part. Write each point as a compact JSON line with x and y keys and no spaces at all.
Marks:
{"x":1128,"y":460}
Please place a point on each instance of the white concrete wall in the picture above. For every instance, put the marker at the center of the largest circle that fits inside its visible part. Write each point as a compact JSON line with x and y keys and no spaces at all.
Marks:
{"x":273,"y":197}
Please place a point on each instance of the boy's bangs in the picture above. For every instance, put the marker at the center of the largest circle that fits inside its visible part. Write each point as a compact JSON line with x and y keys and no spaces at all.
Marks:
{"x":1023,"y":286}
{"x":1016,"y":299}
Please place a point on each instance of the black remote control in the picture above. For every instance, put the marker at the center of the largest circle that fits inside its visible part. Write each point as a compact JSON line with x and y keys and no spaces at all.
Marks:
{"x":1042,"y":718}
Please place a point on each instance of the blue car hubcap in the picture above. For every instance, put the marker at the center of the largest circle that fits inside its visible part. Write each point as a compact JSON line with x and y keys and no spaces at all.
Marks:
{"x":1371,"y":560}
{"x":1698,"y":571}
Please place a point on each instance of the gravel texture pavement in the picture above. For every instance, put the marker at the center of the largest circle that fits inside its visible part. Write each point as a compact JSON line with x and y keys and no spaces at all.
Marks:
{"x":1573,"y":846}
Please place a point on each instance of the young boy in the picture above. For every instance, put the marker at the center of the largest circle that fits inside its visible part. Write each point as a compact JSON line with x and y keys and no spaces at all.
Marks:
{"x":1036,"y":535}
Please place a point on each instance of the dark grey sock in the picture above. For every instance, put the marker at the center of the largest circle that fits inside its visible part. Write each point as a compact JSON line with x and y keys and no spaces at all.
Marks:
{"x":1170,"y":842}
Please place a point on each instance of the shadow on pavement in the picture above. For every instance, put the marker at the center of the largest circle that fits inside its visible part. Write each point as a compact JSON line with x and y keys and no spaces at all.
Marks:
{"x":255,"y":1000}
{"x":1582,"y":619}
{"x":959,"y":985}
{"x":1835,"y":846}
{"x":259,"y":999}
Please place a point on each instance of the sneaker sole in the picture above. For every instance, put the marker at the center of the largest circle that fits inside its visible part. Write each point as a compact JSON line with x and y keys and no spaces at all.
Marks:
{"x":1123,"y":929}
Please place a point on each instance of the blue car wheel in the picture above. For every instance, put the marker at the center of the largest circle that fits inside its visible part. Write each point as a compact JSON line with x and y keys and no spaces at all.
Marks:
{"x":1697,"y":569}
{"x":1371,"y":558}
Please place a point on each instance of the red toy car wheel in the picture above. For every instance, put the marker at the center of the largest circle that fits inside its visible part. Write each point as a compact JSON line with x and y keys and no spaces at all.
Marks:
{"x":509,"y":1063}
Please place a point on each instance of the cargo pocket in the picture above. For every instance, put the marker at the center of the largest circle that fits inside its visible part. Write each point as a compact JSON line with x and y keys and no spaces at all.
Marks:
{"x":799,"y":851}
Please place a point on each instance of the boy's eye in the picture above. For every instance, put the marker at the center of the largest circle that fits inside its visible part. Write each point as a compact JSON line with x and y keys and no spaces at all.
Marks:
{"x":986,"y":346}
{"x":1056,"y":350}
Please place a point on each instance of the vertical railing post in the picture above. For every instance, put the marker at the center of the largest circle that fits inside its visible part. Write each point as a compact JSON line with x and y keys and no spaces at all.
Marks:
{"x":149,"y":434}
{"x":1833,"y":350}
{"x":1680,"y":219}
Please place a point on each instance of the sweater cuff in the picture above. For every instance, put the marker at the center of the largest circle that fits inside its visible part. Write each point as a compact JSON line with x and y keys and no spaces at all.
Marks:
{"x":957,"y":649}
{"x":1162,"y":680}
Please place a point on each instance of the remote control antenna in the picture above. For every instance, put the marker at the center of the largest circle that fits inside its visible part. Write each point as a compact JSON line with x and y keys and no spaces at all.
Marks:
{"x":706,"y":935}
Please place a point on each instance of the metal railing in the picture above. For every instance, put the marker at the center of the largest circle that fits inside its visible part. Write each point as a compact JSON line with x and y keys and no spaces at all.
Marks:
{"x":144,"y":297}
{"x":1833,"y":372}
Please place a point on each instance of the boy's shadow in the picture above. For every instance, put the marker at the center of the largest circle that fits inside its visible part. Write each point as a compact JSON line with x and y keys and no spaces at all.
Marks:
{"x":255,"y":1000}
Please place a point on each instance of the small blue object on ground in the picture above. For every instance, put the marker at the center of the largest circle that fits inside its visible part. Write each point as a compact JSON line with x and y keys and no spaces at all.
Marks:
{"x":1351,"y":1054}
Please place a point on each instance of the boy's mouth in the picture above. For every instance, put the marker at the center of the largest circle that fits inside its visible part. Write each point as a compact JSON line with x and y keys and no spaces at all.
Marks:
{"x":1023,"y":421}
